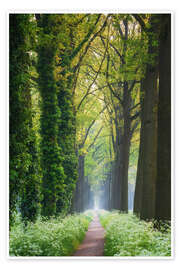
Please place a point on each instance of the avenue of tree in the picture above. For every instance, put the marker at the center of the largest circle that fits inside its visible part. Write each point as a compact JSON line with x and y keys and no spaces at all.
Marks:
{"x":90,"y":114}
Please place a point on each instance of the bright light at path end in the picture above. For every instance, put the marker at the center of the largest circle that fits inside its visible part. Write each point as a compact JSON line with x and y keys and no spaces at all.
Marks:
{"x":96,"y":207}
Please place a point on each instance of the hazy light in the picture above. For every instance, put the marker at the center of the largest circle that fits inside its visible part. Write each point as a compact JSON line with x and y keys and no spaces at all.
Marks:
{"x":96,"y":207}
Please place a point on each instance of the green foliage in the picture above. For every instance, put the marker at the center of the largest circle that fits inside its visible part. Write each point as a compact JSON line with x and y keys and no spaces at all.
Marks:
{"x":126,"y":235}
{"x":65,"y":76}
{"x":23,"y":159}
{"x":66,"y":140}
{"x":72,"y":37}
{"x":55,"y":237}
{"x":51,"y":160}
{"x":66,"y":125}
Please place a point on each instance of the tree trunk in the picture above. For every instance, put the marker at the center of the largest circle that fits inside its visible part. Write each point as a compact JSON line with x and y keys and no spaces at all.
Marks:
{"x":163,"y":185}
{"x":139,"y":176}
{"x":147,"y":166}
{"x":117,"y":185}
{"x":78,"y":196}
{"x":149,"y":161}
{"x":125,"y":148}
{"x":112,"y":185}
{"x":122,"y":148}
{"x":23,"y":164}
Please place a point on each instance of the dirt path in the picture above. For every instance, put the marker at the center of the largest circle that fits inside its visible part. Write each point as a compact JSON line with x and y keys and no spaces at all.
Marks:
{"x":93,"y":244}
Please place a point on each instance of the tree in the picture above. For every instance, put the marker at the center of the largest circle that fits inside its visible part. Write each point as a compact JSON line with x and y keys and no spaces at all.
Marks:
{"x":122,"y":77}
{"x":144,"y":203}
{"x":23,"y":150}
{"x":51,"y":161}
{"x":70,"y":55}
{"x":85,"y":79}
{"x":163,"y":184}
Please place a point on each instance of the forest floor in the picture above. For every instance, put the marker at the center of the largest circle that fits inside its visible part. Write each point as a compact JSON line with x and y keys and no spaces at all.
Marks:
{"x":93,"y":243}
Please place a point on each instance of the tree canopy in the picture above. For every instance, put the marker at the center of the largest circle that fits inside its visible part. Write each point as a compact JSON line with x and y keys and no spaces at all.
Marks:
{"x":89,"y":98}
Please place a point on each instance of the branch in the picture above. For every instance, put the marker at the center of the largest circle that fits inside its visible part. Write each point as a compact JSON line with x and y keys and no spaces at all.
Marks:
{"x":125,"y":22}
{"x":135,"y":116}
{"x":80,"y":20}
{"x":116,"y":50}
{"x":76,"y":50}
{"x":96,"y":149}
{"x":140,"y":21}
{"x":132,"y":85}
{"x":87,"y":92}
{"x":90,"y":66}
{"x":87,"y":132}
{"x":95,"y":138}
{"x":90,"y":126}
{"x":120,"y":31}
{"x":98,"y":52}
{"x":89,"y":43}
{"x":118,"y":53}
{"x":134,"y":106}
{"x":134,"y":128}
{"x":91,"y":93}
{"x":119,"y":28}
{"x":75,"y":82}
{"x":109,"y":85}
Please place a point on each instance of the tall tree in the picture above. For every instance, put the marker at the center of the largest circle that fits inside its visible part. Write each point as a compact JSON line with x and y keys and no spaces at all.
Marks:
{"x":147,"y":165}
{"x":51,"y":161}
{"x":70,"y":55}
{"x":163,"y":184}
{"x":122,"y":77}
{"x":23,"y":156}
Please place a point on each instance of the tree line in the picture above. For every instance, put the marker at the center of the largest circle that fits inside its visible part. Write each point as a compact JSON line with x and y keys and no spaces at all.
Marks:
{"x":86,"y":90}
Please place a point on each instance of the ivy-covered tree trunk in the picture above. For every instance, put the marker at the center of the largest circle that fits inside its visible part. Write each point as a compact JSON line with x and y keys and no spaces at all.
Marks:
{"x":163,"y":185}
{"x":85,"y":194}
{"x":22,"y":141}
{"x":80,"y":183}
{"x":30,"y":189}
{"x":51,"y":160}
{"x":66,"y":138}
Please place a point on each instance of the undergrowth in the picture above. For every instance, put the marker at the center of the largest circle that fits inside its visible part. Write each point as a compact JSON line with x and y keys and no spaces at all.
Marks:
{"x":127,"y":235}
{"x":54,"y":237}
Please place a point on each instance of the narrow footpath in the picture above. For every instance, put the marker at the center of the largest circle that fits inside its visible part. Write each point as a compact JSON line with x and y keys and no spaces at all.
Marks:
{"x":93,"y":244}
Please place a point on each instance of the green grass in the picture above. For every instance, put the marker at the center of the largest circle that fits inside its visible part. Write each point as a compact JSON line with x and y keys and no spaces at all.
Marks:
{"x":127,"y":235}
{"x":54,"y":237}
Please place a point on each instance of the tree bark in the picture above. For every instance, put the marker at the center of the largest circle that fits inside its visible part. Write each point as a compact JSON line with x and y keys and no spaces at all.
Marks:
{"x":139,"y":175}
{"x":149,"y":161}
{"x":78,"y":196}
{"x":163,"y":185}
{"x":125,"y":148}
{"x":122,"y":148}
{"x":144,"y":202}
